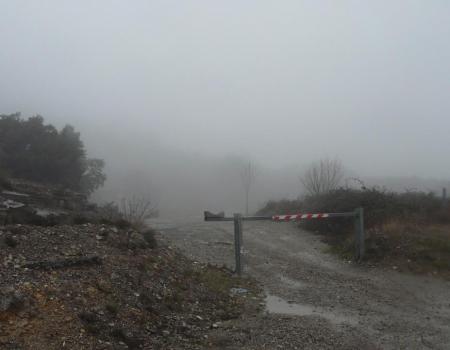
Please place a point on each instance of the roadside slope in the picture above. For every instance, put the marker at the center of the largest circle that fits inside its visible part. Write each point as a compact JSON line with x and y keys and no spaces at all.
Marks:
{"x":98,"y":287}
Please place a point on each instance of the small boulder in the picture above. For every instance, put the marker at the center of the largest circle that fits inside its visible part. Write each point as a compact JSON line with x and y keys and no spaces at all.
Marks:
{"x":136,"y":240}
{"x":10,"y":241}
{"x":149,"y":236}
{"x":11,"y":299}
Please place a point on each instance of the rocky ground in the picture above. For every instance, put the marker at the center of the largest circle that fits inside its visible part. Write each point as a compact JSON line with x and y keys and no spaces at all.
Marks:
{"x":315,"y":300}
{"x":99,"y":287}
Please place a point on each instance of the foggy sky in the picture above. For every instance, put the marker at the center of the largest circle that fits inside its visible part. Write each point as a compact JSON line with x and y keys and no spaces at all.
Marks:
{"x":158,"y":84}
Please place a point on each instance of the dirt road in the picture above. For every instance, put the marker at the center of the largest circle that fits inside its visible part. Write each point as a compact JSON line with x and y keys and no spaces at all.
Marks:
{"x":315,"y":300}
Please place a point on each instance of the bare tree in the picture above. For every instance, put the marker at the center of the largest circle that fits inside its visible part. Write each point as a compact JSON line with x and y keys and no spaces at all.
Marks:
{"x":323,"y":176}
{"x":248,"y":176}
{"x":137,"y":209}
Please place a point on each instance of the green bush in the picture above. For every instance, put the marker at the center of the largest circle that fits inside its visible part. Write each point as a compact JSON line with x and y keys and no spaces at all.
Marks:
{"x":379,"y":207}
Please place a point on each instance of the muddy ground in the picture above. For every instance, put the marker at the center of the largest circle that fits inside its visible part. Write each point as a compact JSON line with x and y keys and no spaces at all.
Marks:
{"x":315,"y":300}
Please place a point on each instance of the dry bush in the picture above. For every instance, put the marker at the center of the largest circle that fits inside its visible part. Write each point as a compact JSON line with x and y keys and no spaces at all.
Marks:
{"x":283,"y":206}
{"x":136,"y":210}
{"x":419,"y":247}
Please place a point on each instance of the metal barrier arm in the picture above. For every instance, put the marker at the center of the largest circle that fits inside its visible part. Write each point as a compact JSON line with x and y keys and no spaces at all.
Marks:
{"x":296,"y":217}
{"x":208,"y":217}
{"x":358,"y":216}
{"x":289,"y":217}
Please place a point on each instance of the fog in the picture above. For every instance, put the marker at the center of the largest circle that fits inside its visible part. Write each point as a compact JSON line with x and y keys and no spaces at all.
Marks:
{"x":175,"y":95}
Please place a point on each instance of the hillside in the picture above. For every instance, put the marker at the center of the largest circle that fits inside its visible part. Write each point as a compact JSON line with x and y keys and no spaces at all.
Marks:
{"x":89,"y":287}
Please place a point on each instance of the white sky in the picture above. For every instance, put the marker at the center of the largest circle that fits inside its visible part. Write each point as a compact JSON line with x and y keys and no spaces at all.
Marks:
{"x":284,"y":82}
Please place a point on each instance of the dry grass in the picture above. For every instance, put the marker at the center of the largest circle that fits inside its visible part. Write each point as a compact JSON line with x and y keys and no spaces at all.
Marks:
{"x":417,"y":247}
{"x":404,"y":246}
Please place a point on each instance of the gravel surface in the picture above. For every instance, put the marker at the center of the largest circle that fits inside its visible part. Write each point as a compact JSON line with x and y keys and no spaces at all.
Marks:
{"x":88,"y":287}
{"x":314,"y":299}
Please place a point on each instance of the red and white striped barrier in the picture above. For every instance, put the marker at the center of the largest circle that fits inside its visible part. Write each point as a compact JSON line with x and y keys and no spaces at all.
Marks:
{"x":295,"y":217}
{"x":358,"y":216}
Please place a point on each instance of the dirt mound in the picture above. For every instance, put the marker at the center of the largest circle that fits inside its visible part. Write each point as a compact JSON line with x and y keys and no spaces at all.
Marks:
{"x":98,"y":287}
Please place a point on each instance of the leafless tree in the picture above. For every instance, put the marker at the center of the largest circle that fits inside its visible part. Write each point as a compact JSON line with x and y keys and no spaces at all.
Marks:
{"x":137,"y":209}
{"x":248,"y":176}
{"x":323,"y":176}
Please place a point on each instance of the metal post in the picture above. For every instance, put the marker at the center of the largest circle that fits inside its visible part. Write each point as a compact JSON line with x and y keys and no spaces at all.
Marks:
{"x":237,"y":218}
{"x":359,"y":231}
{"x":444,"y":197}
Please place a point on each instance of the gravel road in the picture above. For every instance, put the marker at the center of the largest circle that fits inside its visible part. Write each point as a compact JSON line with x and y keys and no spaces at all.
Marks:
{"x":314,"y":300}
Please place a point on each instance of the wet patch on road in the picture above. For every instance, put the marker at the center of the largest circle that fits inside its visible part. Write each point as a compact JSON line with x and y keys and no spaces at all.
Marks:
{"x":277,"y":305}
{"x":292,"y":284}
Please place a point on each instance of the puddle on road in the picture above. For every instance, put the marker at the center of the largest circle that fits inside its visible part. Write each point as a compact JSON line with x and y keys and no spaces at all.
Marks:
{"x":277,"y":305}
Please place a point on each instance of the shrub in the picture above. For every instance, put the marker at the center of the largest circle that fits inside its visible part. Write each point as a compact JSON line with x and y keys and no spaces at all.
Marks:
{"x":80,"y":219}
{"x":112,"y":308}
{"x":10,"y":241}
{"x":108,"y":212}
{"x":136,"y":210}
{"x":122,"y":224}
{"x":149,"y":236}
{"x":379,"y":206}
{"x":281,"y":207}
{"x":4,"y":182}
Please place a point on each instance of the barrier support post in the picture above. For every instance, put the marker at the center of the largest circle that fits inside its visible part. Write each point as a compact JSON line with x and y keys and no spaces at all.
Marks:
{"x":360,"y":235}
{"x":237,"y":218}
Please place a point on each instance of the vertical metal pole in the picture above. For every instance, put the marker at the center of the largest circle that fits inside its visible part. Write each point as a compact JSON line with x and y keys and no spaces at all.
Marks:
{"x":444,"y":197}
{"x":237,"y":242}
{"x":360,"y":235}
{"x":247,"y":190}
{"x":241,"y":243}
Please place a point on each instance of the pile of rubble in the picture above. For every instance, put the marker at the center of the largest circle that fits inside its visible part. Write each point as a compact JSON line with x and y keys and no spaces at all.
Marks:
{"x":30,"y":202}
{"x":100,"y":287}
